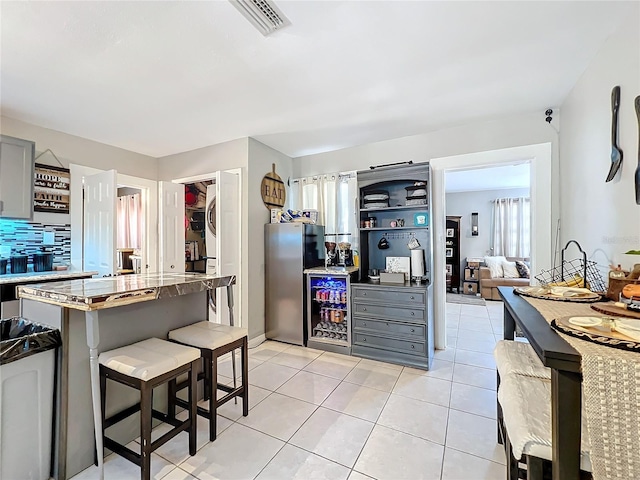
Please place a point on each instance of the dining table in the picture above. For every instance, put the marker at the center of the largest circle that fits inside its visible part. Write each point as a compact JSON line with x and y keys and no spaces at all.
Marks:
{"x":590,"y":381}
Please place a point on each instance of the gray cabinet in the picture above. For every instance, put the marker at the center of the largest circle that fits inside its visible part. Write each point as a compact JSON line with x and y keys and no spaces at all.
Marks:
{"x":393,"y":323}
{"x":16,"y":177}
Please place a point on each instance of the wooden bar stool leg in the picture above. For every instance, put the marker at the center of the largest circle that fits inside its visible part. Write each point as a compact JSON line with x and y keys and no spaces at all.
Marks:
{"x":245,"y":377}
{"x":145,"y":431}
{"x":233,"y":367}
{"x":193,"y":406}
{"x":213,"y":400}
{"x":171,"y":403}
{"x":535,"y":466}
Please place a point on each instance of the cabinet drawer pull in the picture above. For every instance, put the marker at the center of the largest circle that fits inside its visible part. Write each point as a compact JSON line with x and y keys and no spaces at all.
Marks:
{"x":364,"y":294}
{"x":364,"y":339}
{"x":364,"y":309}
{"x":413,"y":346}
{"x":387,"y":324}
{"x":413,"y":313}
{"x":364,"y":324}
{"x":413,"y":330}
{"x":412,"y":297}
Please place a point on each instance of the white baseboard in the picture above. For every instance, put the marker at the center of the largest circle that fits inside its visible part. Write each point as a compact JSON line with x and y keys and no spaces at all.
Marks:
{"x":254,"y":342}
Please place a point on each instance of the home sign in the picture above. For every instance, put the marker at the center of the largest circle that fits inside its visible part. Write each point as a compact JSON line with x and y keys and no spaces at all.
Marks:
{"x":273,"y":190}
{"x":51,"y":189}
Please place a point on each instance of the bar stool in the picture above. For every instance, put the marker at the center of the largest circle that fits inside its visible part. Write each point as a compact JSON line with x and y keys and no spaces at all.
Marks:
{"x":144,"y":366}
{"x":213,"y":340}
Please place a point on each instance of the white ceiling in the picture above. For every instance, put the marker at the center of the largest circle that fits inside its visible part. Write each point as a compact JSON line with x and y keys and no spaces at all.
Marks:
{"x":491,"y":178}
{"x":166,"y":77}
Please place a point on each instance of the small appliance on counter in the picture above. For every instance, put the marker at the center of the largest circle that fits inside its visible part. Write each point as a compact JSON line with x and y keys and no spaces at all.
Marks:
{"x":43,"y":261}
{"x":331,"y":259}
{"x":19,"y":262}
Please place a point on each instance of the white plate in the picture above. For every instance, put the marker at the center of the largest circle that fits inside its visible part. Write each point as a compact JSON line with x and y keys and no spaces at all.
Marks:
{"x":585,"y":321}
{"x":630,"y":323}
{"x":374,"y":277}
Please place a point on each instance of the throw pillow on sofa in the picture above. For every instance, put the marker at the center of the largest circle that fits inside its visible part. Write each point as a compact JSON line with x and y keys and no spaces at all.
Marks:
{"x":510,"y":269}
{"x":495,"y":266}
{"x":523,"y":269}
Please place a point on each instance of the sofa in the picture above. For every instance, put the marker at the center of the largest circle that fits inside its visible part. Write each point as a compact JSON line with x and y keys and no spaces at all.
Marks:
{"x":489,"y":286}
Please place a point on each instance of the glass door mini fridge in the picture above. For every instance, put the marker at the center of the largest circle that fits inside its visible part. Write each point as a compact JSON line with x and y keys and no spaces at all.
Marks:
{"x":328,"y":309}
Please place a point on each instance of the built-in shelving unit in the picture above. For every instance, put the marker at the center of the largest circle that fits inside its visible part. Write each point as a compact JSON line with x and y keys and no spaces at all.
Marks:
{"x":392,"y":322}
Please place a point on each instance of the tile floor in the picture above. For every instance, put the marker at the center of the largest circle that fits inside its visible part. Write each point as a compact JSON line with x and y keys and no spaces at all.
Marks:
{"x":318,"y":415}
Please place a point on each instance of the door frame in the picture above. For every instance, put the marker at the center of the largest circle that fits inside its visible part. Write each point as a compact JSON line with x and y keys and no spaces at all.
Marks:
{"x":539,"y":157}
{"x":239,"y":298}
{"x":149,"y":189}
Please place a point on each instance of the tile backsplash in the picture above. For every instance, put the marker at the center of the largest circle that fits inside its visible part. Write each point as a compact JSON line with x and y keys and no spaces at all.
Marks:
{"x":29,"y":237}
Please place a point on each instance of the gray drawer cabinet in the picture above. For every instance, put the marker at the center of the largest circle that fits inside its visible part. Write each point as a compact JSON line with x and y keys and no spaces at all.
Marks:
{"x":393,"y":323}
{"x":16,"y":177}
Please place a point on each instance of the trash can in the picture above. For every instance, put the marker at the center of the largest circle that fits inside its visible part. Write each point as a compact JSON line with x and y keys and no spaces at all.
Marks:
{"x":27,"y":379}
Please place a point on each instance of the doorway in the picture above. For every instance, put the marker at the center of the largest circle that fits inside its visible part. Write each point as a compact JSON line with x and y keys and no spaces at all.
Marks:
{"x":539,"y":157}
{"x":470,"y":202}
{"x":149,"y":215}
{"x":212,"y":209}
{"x":200,"y":248}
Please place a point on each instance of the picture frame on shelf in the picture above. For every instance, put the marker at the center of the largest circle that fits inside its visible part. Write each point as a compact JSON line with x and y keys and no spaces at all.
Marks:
{"x":449,"y":269}
{"x":450,"y":232}
{"x":448,"y":252}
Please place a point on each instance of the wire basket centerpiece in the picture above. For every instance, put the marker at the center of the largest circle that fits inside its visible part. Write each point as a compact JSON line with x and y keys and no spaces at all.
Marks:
{"x":578,"y":272}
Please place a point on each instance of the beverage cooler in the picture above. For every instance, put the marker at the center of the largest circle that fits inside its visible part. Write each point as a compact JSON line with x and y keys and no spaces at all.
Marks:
{"x":328,"y":309}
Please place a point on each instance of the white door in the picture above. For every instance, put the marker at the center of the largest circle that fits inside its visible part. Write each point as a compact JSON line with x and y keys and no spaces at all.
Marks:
{"x":171,"y":227}
{"x":228,"y":241}
{"x":100,"y":192}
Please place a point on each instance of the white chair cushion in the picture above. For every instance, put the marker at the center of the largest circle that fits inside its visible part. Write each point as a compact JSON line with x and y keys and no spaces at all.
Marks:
{"x":518,"y":358}
{"x":148,"y":359}
{"x":207,"y":335}
{"x":526,"y":409}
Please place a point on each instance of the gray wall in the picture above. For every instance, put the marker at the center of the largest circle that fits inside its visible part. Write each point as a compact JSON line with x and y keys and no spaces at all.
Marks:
{"x":602,"y":217}
{"x":463,"y":204}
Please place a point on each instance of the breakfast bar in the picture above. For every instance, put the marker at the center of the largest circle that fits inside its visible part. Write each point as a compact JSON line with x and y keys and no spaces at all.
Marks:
{"x":99,"y":314}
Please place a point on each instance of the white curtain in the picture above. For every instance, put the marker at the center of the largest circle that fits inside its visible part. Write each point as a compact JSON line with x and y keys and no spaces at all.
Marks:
{"x":334,"y":197}
{"x":512,"y":227}
{"x":130,"y":220}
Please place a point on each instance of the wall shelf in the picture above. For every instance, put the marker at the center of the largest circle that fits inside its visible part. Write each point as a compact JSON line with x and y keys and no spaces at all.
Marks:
{"x":391,"y":229}
{"x":401,"y":207}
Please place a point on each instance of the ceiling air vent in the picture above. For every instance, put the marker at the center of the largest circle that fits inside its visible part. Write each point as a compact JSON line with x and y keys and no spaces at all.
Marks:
{"x":264,"y":15}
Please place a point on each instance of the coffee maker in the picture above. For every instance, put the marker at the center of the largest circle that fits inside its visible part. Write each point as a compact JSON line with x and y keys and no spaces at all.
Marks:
{"x":331,"y":259}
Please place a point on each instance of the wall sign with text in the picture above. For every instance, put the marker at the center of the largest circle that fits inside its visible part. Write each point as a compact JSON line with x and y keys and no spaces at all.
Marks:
{"x":51,"y":189}
{"x":273,"y":190}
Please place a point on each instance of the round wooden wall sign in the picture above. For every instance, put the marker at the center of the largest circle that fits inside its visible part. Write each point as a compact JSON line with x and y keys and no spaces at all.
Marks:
{"x":274,"y":193}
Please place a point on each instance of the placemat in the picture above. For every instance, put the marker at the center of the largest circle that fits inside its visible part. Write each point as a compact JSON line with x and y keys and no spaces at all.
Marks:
{"x":596,"y":335}
{"x":611,"y":309}
{"x":611,"y":392}
{"x":591,"y":299}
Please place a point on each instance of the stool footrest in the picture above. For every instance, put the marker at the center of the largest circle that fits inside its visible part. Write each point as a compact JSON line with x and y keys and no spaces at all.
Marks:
{"x":127,"y":412}
{"x":122,"y":450}
{"x":170,"y":434}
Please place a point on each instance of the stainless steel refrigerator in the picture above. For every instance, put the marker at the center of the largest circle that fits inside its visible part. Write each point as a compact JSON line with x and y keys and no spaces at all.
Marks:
{"x":289,"y":249}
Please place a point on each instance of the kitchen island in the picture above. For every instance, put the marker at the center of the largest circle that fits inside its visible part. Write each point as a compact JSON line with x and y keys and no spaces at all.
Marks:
{"x":8,"y":282}
{"x":101,"y":314}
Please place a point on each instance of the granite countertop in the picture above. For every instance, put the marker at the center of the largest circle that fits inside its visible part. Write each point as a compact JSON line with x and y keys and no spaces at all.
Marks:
{"x":331,"y":270}
{"x":108,"y":292}
{"x":15,"y":278}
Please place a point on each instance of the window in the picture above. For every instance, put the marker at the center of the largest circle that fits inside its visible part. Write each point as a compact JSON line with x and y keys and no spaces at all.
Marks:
{"x":512,"y":227}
